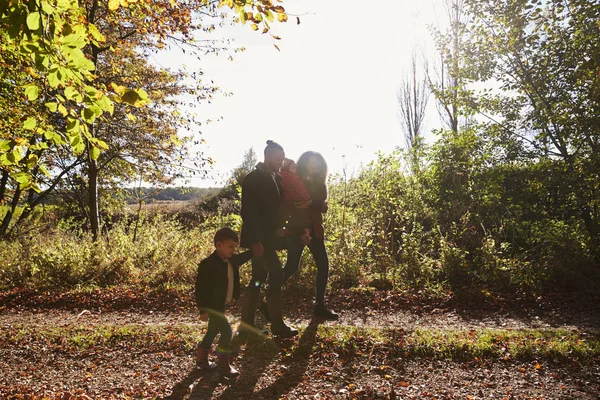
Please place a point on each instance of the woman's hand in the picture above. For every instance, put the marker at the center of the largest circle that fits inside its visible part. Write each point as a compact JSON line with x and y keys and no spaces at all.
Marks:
{"x":257,"y":249}
{"x":305,"y":237}
{"x":303,"y":204}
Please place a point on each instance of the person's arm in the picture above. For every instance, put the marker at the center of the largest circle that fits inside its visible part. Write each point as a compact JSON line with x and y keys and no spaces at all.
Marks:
{"x":238,"y":260}
{"x":250,"y":215}
{"x":319,"y":198}
{"x":202,"y":287}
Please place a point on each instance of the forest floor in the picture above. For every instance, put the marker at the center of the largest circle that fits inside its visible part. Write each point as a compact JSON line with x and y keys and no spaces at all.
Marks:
{"x":130,"y":342}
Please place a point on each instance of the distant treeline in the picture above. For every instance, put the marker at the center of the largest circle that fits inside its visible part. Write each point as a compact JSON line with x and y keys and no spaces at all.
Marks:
{"x":181,"y":193}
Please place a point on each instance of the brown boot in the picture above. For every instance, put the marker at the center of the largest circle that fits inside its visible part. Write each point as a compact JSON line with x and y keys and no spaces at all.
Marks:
{"x":223,"y":366}
{"x":248,"y":306}
{"x":202,"y":358}
{"x":278,"y":327}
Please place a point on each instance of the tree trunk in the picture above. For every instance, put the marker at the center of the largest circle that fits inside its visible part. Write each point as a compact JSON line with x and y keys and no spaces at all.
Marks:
{"x":3,"y":183}
{"x":10,"y":212}
{"x":93,"y":195}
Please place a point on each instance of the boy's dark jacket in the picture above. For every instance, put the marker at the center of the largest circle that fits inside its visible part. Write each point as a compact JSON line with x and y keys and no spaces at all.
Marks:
{"x":262,"y":201}
{"x":211,"y":282}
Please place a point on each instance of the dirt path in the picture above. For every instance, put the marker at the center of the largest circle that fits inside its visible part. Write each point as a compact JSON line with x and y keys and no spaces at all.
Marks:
{"x":310,"y":366}
{"x":406,"y":320}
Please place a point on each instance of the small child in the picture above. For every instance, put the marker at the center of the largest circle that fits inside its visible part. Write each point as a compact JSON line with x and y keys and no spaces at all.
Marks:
{"x":293,"y":187}
{"x":217,"y":284}
{"x":294,"y":190}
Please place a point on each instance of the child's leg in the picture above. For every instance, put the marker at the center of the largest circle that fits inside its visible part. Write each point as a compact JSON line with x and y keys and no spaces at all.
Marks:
{"x":224,"y":344}
{"x":211,"y":332}
{"x":203,"y":348}
{"x":223,"y":348}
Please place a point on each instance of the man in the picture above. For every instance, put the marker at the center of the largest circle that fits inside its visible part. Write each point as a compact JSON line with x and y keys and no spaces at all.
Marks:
{"x":262,"y":199}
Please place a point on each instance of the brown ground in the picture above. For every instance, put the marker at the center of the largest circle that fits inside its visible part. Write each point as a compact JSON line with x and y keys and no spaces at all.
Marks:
{"x":309,"y":366}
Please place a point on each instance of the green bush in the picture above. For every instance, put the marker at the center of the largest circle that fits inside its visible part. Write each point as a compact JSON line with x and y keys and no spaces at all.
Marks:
{"x":163,"y":253}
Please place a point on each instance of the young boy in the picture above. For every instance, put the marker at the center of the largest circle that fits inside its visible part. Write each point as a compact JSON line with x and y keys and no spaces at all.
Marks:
{"x":217,"y":283}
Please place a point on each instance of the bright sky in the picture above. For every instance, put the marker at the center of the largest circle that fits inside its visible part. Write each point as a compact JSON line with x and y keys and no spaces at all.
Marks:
{"x":332,"y":87}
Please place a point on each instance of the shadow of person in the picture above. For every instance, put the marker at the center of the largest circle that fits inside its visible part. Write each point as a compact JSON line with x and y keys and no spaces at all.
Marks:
{"x":255,"y":353}
{"x":182,"y":388}
{"x":296,"y":365}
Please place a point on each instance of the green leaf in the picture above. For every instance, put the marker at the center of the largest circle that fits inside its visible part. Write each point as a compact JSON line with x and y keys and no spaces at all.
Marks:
{"x":41,"y":60}
{"x":51,"y":106}
{"x":74,"y":41}
{"x":62,"y":110}
{"x":95,"y":152}
{"x":72,"y":94}
{"x":270,"y":15}
{"x":30,"y":124}
{"x":98,"y":37}
{"x":22,"y":178}
{"x":32,"y":160}
{"x":47,"y":7}
{"x":44,"y":170}
{"x":136,"y":98}
{"x":75,"y":140}
{"x":88,"y":115}
{"x":33,"y":21}
{"x":15,"y":155}
{"x":72,"y":125}
{"x":53,"y":77}
{"x":32,"y":92}
{"x":113,"y":4}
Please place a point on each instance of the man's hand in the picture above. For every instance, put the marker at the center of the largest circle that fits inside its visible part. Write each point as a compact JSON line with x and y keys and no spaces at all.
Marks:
{"x":257,"y":249}
{"x":303,"y":204}
{"x":204,"y":317}
{"x":305,"y":237}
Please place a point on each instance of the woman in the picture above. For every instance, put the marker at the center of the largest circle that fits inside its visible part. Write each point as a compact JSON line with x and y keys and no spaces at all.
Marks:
{"x":312,"y":169}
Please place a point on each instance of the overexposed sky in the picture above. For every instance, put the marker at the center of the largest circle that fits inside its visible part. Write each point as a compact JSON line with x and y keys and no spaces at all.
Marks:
{"x":332,"y":87}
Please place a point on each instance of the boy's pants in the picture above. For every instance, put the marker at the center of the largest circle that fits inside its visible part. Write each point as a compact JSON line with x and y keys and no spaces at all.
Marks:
{"x":217,"y":323}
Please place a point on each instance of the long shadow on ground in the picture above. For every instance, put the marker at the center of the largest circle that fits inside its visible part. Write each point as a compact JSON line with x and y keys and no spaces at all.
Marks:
{"x":294,"y":367}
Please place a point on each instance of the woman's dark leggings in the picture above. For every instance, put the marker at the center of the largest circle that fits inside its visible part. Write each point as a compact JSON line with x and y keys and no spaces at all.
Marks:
{"x":217,"y":323}
{"x":319,"y":253}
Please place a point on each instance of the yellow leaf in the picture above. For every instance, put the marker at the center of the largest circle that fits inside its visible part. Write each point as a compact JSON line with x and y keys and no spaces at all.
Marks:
{"x":254,"y":27}
{"x":113,"y":4}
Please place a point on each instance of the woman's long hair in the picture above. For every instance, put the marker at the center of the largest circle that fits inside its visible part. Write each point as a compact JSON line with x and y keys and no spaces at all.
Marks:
{"x":302,"y":165}
{"x":317,"y":183}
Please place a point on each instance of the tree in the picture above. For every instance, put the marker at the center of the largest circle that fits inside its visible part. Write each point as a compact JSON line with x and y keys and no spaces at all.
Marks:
{"x":247,"y":165}
{"x":545,"y":56}
{"x":449,"y":78}
{"x":412,"y":100}
{"x":59,"y":45}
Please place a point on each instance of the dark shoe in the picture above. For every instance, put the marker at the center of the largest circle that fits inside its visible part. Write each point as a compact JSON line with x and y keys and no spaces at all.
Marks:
{"x":202,"y":359}
{"x":224,"y":367}
{"x":322,"y":312}
{"x":284,"y":331}
{"x":264,"y":310}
